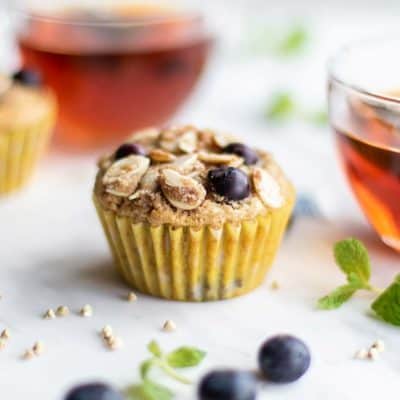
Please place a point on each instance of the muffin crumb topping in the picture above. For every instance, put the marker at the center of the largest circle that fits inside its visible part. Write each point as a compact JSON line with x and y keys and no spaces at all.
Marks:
{"x":186,"y":176}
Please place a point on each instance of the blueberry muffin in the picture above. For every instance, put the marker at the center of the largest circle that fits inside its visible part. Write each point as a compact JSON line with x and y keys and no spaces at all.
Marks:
{"x":191,"y":214}
{"x":27,"y":116}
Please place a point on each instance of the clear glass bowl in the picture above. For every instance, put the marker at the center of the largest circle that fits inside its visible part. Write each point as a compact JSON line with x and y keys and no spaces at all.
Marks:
{"x":364,"y":108}
{"x":116,"y":68}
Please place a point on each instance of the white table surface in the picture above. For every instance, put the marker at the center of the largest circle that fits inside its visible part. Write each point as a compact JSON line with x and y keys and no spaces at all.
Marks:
{"x":53,"y":252}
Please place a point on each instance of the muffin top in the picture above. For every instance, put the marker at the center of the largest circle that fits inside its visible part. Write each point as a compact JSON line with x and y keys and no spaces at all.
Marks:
{"x":23,"y":101}
{"x":185,"y":176}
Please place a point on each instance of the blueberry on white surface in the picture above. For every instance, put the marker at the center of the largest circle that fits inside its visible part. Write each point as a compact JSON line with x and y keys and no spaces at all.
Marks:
{"x":284,"y":359}
{"x":228,"y":385}
{"x":93,"y":391}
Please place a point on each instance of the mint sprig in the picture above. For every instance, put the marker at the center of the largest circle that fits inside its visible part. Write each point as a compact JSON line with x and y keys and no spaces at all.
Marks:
{"x":293,"y":42}
{"x":352,"y":258}
{"x":279,"y":41}
{"x":182,"y":357}
{"x":387,"y":305}
{"x":283,"y":107}
{"x":148,"y":390}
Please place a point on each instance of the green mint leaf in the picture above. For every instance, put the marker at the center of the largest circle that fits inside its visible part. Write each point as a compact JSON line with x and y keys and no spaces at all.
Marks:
{"x":294,"y":41}
{"x":319,"y":118}
{"x":154,"y":348}
{"x":387,"y":305}
{"x":352,"y":258}
{"x":339,"y":296}
{"x":145,"y":368}
{"x":281,"y":107}
{"x":185,"y":357}
{"x":149,"y":390}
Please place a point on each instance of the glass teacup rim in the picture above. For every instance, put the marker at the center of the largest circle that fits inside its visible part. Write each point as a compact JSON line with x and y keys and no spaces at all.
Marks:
{"x":182,"y":14}
{"x":333,"y":77}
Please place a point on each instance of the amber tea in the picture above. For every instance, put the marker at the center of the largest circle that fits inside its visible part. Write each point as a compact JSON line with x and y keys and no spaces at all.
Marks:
{"x":115,"y":73}
{"x":371,"y":159}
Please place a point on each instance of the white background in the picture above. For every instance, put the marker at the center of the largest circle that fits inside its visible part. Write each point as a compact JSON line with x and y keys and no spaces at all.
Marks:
{"x":53,"y":252}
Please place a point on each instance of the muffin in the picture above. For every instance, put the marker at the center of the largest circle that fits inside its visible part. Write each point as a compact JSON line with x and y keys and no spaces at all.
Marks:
{"x":191,"y":214}
{"x":27,"y":115}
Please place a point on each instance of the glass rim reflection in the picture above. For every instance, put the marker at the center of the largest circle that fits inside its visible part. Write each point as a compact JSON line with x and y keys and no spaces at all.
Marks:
{"x":344,"y":51}
{"x":108,"y":20}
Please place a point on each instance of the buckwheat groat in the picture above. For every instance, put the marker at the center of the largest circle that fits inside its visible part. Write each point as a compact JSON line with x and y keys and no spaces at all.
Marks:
{"x":192,"y":214}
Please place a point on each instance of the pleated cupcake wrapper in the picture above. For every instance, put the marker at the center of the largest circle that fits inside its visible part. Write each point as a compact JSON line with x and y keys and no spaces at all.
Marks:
{"x":20,"y":151}
{"x":190,"y":264}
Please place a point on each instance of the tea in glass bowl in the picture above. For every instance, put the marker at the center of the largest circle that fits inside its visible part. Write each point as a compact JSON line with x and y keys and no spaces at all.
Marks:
{"x":116,"y":69}
{"x":364,"y":101}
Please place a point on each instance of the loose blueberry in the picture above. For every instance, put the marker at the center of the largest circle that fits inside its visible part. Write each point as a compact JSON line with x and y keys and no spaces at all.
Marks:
{"x":228,"y":385}
{"x":241,"y":150}
{"x":129,"y":149}
{"x":93,"y":391}
{"x":28,"y":77}
{"x":284,"y":359}
{"x":229,"y":182}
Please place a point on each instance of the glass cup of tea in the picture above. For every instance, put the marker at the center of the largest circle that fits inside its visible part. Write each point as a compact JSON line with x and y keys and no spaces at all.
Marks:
{"x":364,"y":108}
{"x":115,"y":67}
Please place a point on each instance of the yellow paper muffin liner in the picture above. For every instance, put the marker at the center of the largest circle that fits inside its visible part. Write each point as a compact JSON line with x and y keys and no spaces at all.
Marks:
{"x":20,"y":150}
{"x":194,"y":264}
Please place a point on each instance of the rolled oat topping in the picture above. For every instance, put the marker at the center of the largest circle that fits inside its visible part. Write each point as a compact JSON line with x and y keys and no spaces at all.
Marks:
{"x":171,"y":184}
{"x":267,"y":188}
{"x":123,"y":177}
{"x":181,"y":191}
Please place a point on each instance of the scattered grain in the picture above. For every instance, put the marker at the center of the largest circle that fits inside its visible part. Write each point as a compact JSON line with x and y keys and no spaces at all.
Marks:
{"x":28,"y":355}
{"x":38,"y":348}
{"x":107,"y":332}
{"x":132,"y":297}
{"x":5,"y":334}
{"x":169,"y":326}
{"x":62,"y":311}
{"x":361,"y":354}
{"x":379,"y":345}
{"x":49,"y":314}
{"x":86,"y":311}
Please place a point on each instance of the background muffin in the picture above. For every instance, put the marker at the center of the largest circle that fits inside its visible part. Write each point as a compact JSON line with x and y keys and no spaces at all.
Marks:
{"x":27,"y":116}
{"x":191,"y":214}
